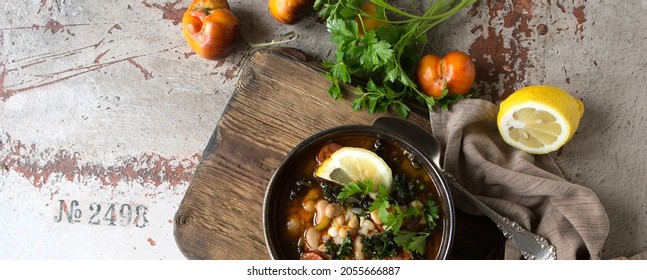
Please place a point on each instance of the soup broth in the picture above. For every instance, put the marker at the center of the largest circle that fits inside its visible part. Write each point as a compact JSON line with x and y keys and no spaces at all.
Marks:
{"x":314,"y":224}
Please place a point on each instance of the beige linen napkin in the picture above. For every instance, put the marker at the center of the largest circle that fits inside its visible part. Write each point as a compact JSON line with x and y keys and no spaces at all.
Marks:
{"x":528,"y":189}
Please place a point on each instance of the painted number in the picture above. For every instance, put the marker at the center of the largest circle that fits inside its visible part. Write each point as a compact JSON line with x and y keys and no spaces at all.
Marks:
{"x":109,"y":214}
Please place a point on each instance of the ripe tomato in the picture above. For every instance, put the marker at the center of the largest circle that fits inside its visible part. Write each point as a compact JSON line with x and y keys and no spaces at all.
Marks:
{"x":289,"y":11}
{"x":455,"y":71}
{"x":210,"y":28}
{"x":371,"y":22}
{"x":326,"y":151}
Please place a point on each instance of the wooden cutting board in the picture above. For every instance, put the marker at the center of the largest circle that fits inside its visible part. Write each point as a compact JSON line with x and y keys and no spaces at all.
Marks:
{"x":280,"y":100}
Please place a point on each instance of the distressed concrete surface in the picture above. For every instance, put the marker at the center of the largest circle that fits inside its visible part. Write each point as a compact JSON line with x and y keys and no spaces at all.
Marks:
{"x":102,"y":104}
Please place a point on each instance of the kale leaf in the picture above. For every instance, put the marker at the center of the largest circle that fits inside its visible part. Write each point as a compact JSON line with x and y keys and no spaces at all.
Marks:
{"x":380,"y":246}
{"x":341,"y":251}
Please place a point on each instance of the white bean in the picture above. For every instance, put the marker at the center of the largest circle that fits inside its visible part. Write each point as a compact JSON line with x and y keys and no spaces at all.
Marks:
{"x":340,"y":220}
{"x":375,"y":218}
{"x":333,"y":231}
{"x":312,"y":194}
{"x":322,"y":248}
{"x":332,"y":210}
{"x":309,"y":205}
{"x":312,"y":237}
{"x":348,"y":214}
{"x":363,"y":231}
{"x":366,"y":227}
{"x":320,"y":208}
{"x":353,"y":222}
{"x":343,"y":232}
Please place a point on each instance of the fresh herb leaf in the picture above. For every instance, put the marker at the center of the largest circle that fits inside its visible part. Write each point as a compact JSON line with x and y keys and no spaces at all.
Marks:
{"x":432,"y":212}
{"x":381,"y":204}
{"x":412,"y":241}
{"x":403,"y":238}
{"x":354,"y":188}
{"x":400,"y":109}
{"x":394,"y":219}
{"x":376,"y":53}
{"x":412,"y":212}
{"x":393,"y":74}
{"x":340,"y":72}
{"x":417,"y":244}
{"x":342,"y":32}
{"x":360,"y":102}
{"x":334,"y":90}
{"x":318,"y":3}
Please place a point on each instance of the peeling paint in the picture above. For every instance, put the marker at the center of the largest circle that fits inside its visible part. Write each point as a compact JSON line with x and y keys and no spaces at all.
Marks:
{"x":519,"y":18}
{"x":97,"y":59}
{"x":41,"y":167}
{"x":43,"y":5}
{"x":231,"y":73}
{"x":169,"y":11}
{"x":147,"y":74}
{"x":578,"y":12}
{"x":3,"y":74}
{"x":501,"y":61}
{"x":151,"y":241}
{"x":219,"y":63}
{"x":53,"y":26}
{"x":3,"y":71}
{"x":115,"y":26}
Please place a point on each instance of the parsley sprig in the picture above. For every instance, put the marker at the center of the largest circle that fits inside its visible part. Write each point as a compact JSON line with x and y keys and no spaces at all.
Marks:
{"x":359,"y":189}
{"x":383,"y":58}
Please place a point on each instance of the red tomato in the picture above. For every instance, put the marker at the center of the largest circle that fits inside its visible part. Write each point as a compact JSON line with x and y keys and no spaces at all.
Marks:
{"x":326,"y":151}
{"x":210,"y":28}
{"x":289,"y":11}
{"x":455,"y":71}
{"x":311,"y":255}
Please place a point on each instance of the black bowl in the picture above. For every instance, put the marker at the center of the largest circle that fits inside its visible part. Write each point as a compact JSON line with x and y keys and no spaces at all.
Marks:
{"x":280,"y":183}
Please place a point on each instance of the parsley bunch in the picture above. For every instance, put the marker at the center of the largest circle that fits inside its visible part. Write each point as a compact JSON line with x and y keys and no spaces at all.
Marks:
{"x":384,"y":58}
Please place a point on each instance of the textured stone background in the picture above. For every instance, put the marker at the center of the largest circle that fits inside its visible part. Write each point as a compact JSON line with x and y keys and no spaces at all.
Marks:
{"x":103,"y":104}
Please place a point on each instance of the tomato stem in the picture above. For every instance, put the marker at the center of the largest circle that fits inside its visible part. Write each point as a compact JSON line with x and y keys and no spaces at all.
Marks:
{"x":289,"y":37}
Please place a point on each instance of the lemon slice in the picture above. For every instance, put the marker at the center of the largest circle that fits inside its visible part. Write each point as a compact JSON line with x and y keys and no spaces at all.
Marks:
{"x":350,"y":164}
{"x":539,"y":119}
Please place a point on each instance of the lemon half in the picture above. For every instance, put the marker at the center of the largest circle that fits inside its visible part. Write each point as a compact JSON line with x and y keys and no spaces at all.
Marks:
{"x":350,"y":164}
{"x":539,"y":119}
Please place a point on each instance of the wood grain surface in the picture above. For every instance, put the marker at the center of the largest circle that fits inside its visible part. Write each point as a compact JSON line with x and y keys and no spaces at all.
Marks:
{"x":281,"y":99}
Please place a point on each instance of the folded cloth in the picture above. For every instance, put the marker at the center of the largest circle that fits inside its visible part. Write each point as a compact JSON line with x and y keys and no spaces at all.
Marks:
{"x":529,"y":189}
